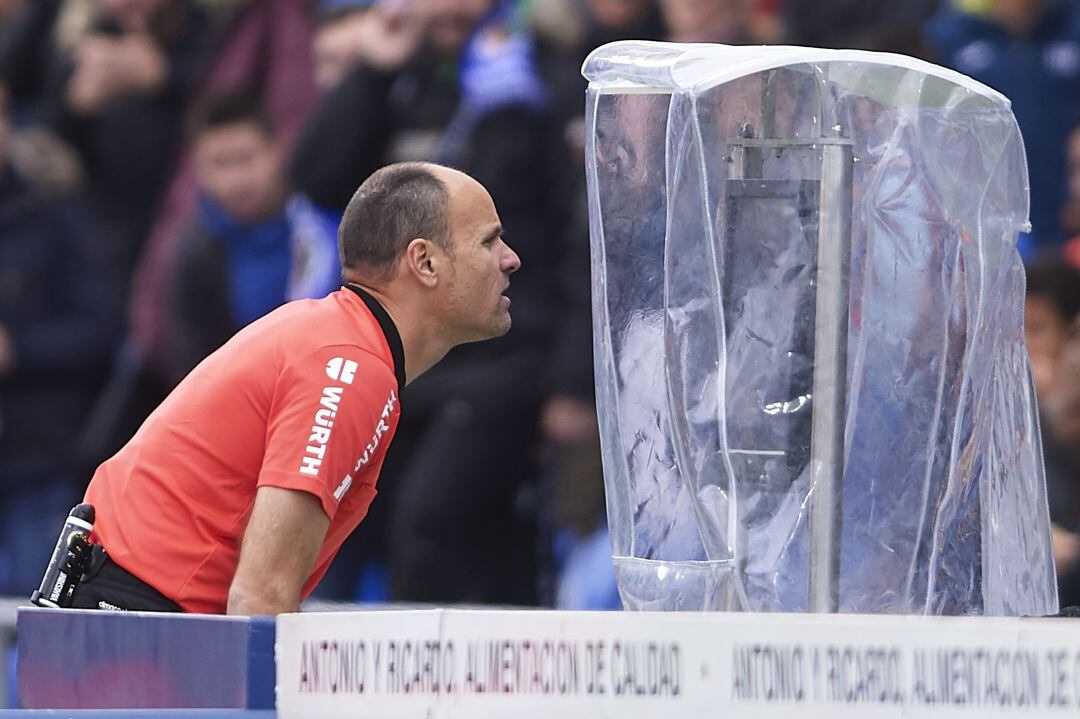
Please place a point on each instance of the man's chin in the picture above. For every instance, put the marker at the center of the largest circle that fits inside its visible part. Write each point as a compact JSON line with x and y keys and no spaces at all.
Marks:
{"x":493,"y":331}
{"x":497,"y":332}
{"x":502,"y":326}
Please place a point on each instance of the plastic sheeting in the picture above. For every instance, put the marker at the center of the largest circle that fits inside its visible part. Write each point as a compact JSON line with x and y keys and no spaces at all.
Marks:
{"x":720,"y":180}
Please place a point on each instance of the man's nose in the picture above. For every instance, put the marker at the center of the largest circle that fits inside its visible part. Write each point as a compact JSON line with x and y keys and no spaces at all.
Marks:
{"x":511,"y":262}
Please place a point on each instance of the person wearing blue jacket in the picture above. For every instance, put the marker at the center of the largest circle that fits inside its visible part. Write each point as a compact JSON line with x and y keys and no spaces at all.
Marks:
{"x":1030,"y":51}
{"x":251,"y":246}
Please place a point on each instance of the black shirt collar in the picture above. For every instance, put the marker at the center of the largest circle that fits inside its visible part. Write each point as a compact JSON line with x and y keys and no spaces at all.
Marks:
{"x":389,"y":329}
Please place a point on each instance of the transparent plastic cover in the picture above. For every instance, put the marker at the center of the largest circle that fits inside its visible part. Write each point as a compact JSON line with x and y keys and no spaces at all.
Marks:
{"x":811,"y":374}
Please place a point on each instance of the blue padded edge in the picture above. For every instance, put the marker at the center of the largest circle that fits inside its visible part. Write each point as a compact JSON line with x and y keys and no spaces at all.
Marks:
{"x":261,"y":667}
{"x":92,"y":659}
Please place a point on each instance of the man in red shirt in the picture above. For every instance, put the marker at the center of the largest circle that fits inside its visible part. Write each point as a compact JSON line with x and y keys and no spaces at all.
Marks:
{"x":237,"y":492}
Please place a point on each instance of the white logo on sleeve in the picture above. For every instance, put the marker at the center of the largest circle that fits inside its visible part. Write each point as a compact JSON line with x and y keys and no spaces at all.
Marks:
{"x":343,"y":487}
{"x":320,"y":431}
{"x":381,"y":428}
{"x":341,"y":369}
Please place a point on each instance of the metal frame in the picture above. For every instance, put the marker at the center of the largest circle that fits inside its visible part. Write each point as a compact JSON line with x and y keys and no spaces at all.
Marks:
{"x":829,"y":388}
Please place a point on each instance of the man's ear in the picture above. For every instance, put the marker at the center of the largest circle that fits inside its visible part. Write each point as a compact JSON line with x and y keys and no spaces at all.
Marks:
{"x":422,"y":262}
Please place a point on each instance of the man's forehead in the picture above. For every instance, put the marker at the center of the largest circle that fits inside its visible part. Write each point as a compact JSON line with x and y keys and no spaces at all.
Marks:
{"x":470,"y":202}
{"x":458,"y":184}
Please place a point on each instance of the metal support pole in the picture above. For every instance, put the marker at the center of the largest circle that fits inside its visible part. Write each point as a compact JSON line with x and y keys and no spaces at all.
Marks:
{"x":830,"y":376}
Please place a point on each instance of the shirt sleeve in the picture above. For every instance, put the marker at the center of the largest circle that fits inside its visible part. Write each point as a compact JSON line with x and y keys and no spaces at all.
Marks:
{"x":330,"y":413}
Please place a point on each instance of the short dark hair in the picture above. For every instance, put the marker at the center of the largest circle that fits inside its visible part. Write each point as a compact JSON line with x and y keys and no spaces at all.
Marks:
{"x":394,"y":206}
{"x":231,"y":108}
{"x":1051,"y":276}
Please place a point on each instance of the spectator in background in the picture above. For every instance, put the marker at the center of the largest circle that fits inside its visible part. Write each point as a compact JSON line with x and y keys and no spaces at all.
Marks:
{"x":1030,"y":51}
{"x":1053,"y":301}
{"x":568,"y":416}
{"x":1051,"y":308}
{"x":250,"y":247}
{"x":723,"y":21}
{"x":565,"y":39}
{"x":58,"y":324}
{"x":1070,"y":213}
{"x":116,"y":94}
{"x":767,"y":21}
{"x":849,"y":23}
{"x":337,"y":46}
{"x":582,"y":550}
{"x":579,"y":27}
{"x":263,"y":49}
{"x":1061,"y":440}
{"x":452,"y":81}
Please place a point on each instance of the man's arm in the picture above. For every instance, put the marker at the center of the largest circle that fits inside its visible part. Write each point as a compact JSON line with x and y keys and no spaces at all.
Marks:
{"x":280,"y":545}
{"x":345,"y":139}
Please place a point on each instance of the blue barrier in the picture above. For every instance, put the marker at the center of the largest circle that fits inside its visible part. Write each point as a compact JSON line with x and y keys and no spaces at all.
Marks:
{"x":119,"y":660}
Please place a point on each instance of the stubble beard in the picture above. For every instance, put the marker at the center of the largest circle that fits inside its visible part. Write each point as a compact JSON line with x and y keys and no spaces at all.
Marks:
{"x":499,"y":325}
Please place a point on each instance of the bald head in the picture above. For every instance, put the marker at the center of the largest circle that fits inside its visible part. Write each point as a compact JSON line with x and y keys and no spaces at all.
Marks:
{"x":395,"y":205}
{"x":453,"y":180}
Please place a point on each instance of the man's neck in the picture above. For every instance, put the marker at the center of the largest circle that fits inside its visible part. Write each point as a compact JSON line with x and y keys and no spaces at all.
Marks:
{"x":421,"y":342}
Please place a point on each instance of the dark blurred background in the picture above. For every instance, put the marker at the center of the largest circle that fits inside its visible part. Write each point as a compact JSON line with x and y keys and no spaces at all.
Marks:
{"x":171,"y":170}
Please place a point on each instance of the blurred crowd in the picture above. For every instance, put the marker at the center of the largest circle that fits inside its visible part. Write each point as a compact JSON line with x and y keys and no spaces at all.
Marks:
{"x":171,"y":170}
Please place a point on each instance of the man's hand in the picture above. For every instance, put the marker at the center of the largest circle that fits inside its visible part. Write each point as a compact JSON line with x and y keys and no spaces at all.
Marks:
{"x":391,"y":37}
{"x":107,"y":69}
{"x":282,"y":540}
{"x":338,"y":47}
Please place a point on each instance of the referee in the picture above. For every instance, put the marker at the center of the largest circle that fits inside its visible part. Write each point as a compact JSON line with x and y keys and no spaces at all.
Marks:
{"x":237,"y":492}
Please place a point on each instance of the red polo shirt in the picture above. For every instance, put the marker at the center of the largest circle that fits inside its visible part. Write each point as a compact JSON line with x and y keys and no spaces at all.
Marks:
{"x":305,"y":398}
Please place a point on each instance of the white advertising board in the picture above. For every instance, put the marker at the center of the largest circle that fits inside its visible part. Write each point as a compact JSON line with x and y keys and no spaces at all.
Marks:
{"x":477,"y":664}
